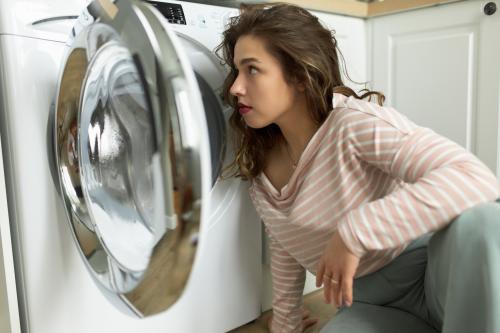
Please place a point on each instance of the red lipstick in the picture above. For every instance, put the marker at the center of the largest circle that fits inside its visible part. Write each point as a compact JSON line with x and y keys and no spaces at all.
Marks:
{"x":242,"y":108}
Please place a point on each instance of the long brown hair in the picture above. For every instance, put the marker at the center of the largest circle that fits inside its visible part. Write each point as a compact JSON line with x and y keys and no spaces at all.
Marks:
{"x":307,"y":52}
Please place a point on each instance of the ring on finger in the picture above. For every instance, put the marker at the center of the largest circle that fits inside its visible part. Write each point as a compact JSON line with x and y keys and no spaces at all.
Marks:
{"x":332,"y":280}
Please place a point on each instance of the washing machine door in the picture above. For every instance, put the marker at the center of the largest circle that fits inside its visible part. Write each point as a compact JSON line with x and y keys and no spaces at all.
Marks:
{"x":133,"y":155}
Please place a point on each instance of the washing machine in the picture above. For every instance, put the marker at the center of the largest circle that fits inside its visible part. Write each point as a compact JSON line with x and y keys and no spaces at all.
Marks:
{"x":113,"y":138}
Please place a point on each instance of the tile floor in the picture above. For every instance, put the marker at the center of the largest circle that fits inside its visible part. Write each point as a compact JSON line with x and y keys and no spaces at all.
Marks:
{"x":313,"y":302}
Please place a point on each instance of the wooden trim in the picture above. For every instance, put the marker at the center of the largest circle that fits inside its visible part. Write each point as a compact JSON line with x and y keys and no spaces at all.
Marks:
{"x":362,"y":9}
{"x":392,"y":6}
{"x":345,"y":7}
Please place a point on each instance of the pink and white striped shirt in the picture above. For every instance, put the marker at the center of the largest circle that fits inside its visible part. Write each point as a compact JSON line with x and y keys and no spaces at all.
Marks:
{"x":375,"y":177}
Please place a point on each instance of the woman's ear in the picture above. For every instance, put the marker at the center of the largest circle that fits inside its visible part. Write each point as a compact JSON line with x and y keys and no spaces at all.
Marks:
{"x":301,"y":87}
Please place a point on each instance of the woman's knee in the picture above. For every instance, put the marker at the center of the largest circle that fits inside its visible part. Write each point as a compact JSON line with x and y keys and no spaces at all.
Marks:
{"x":479,"y":225}
{"x":369,"y":318}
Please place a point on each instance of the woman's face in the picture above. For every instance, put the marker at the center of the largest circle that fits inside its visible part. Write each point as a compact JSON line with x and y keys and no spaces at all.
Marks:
{"x":264,"y":96}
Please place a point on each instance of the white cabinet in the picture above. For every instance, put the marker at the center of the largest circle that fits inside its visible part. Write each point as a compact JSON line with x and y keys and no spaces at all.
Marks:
{"x":352,"y":41}
{"x":9,"y":313}
{"x":440,"y":67}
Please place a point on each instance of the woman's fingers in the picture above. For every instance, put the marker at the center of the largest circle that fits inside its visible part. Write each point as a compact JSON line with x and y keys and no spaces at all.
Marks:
{"x":336,"y":290}
{"x":307,"y":320}
{"x":341,"y":291}
{"x":306,"y":323}
{"x":327,"y":290}
{"x":305,"y":313}
{"x":332,"y":293}
{"x":269,"y":322}
{"x":319,"y":273}
{"x":337,"y":261}
{"x":338,"y":294}
{"x":347,"y":290}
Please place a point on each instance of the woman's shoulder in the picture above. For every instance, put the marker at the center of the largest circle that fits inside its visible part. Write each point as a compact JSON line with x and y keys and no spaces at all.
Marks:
{"x":351,"y":111}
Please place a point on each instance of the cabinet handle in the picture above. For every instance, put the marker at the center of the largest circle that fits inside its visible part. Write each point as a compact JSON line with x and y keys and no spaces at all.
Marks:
{"x":490,"y":8}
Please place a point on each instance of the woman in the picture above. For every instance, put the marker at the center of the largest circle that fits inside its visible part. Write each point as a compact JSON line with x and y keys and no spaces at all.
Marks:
{"x":351,"y":190}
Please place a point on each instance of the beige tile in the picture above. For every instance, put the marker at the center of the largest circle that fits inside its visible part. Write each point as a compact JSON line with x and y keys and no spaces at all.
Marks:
{"x":313,"y":302}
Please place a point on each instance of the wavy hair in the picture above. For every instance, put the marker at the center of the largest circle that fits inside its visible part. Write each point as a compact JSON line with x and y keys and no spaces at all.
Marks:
{"x":307,"y":52}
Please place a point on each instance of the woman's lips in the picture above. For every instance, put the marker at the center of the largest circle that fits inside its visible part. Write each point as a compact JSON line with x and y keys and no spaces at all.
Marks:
{"x":242,"y":108}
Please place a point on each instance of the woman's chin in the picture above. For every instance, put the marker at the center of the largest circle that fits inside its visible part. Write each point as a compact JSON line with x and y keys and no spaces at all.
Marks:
{"x":255,"y":120}
{"x":255,"y":124}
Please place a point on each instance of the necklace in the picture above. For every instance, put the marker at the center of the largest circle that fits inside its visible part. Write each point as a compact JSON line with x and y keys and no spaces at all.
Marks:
{"x":294,"y":164}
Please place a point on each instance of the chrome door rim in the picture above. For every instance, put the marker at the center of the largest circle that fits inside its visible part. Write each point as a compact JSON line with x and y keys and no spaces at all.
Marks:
{"x":156,"y":279}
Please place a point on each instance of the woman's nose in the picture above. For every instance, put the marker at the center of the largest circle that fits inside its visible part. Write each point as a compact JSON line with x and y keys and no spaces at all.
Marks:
{"x":237,"y":89}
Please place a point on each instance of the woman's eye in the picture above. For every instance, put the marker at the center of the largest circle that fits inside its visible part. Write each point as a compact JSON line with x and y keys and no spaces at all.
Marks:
{"x":252,"y":70}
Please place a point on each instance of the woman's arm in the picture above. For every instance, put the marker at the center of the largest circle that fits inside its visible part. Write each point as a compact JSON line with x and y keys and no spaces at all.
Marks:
{"x":288,"y":285}
{"x":442,"y":179}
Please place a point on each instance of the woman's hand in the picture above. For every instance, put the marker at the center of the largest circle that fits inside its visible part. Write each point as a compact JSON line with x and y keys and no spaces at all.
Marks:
{"x":336,"y":269}
{"x":307,"y":320}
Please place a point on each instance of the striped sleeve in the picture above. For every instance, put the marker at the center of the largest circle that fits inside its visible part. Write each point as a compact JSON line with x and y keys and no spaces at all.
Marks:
{"x":288,"y":278}
{"x":441,"y":180}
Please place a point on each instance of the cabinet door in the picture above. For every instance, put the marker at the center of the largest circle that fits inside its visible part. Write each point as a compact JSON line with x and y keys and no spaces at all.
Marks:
{"x":351,"y":36}
{"x":439,"y":66}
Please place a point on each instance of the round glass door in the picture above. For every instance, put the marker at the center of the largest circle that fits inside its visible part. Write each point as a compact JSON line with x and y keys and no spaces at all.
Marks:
{"x":133,"y":155}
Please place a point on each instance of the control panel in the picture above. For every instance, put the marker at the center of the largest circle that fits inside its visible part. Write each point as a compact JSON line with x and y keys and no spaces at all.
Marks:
{"x":172,"y":12}
{"x":201,"y":22}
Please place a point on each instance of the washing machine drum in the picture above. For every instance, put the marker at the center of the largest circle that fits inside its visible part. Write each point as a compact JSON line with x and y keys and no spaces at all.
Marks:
{"x":139,"y":136}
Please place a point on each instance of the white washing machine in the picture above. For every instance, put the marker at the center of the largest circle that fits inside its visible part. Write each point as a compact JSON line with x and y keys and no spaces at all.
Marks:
{"x":112,"y":143}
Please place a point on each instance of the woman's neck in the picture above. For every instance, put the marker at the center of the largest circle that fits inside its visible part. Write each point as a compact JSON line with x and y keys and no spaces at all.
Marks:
{"x":297,"y":127}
